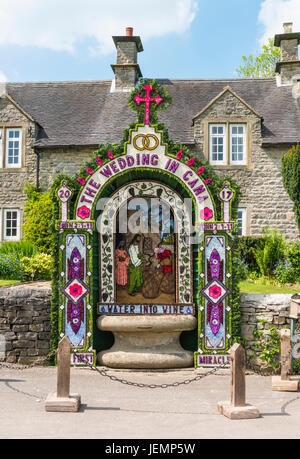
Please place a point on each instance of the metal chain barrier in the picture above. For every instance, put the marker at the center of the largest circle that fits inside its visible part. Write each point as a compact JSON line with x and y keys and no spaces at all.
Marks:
{"x":153,"y":386}
{"x":103,"y":372}
{"x":38,"y":362}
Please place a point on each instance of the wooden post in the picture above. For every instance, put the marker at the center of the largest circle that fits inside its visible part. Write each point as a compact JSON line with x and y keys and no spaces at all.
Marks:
{"x":238,"y":368}
{"x":237,"y":408}
{"x":63,"y":367}
{"x":285,"y":351}
{"x":62,"y":400}
{"x":284,"y":382}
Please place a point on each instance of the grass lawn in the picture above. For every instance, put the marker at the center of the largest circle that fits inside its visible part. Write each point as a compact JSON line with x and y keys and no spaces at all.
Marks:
{"x":249,"y":286}
{"x":4,"y":283}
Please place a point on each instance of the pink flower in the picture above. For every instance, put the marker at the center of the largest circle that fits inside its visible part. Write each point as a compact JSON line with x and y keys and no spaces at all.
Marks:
{"x":201,"y":170}
{"x":206,"y":214}
{"x":83,"y":212}
{"x":75,"y":290}
{"x":215,"y":292}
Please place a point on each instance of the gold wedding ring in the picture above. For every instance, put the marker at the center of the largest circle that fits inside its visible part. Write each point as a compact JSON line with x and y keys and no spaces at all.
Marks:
{"x":145,"y":142}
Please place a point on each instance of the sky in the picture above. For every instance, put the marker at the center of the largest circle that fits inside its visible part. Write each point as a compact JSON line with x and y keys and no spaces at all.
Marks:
{"x":63,"y":40}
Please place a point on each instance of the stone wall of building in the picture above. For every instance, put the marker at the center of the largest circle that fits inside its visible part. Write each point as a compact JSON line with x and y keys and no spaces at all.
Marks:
{"x":264,"y":196}
{"x":25,"y":321}
{"x":62,"y":160}
{"x":12,"y":180}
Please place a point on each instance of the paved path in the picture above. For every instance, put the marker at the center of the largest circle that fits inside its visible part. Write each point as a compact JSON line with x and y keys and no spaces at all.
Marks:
{"x":111,"y":410}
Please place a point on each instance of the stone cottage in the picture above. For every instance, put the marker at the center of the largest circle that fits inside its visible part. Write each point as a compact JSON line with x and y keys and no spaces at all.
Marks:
{"x":241,"y":126}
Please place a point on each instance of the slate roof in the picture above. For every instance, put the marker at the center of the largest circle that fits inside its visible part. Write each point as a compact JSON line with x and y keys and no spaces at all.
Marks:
{"x":87,"y":113}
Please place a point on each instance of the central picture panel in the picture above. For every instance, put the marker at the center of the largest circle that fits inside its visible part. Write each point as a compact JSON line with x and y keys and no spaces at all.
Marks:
{"x":145,"y":252}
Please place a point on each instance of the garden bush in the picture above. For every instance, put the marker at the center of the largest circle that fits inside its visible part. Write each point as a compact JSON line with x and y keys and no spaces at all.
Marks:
{"x":38,"y":267}
{"x":291,"y":178}
{"x":287,"y":270}
{"x":242,"y":269}
{"x":37,"y":218}
{"x":293,"y":255}
{"x":19,"y":248}
{"x":244,"y":250}
{"x":10,"y":267}
{"x":271,"y":253}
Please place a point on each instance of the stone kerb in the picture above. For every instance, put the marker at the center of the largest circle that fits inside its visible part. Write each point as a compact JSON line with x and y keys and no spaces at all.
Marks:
{"x":25,"y":321}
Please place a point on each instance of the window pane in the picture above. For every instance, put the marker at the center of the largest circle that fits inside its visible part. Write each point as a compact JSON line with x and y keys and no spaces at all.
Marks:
{"x":11,"y":224}
{"x":217,"y":143}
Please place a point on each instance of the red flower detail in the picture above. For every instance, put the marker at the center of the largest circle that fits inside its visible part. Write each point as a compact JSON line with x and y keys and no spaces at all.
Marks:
{"x":215,"y":292}
{"x":75,"y":290}
{"x":206,"y":214}
{"x":83,"y":212}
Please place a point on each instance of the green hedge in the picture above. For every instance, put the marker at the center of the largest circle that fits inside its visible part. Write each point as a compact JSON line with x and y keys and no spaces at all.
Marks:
{"x":291,"y":178}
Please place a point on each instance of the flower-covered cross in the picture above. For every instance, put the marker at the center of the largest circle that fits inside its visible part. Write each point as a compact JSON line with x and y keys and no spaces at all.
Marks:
{"x":138,"y":99}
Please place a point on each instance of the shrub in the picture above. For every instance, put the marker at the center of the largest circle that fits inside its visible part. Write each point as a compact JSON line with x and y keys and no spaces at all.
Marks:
{"x":245,"y":248}
{"x":267,"y":346}
{"x":11,"y":267}
{"x":19,"y":248}
{"x":242,"y":269}
{"x":284,"y":272}
{"x":291,"y":178}
{"x":293,"y":255}
{"x":272,"y":252}
{"x":37,"y":218}
{"x":37,"y":267}
{"x":287,"y":270}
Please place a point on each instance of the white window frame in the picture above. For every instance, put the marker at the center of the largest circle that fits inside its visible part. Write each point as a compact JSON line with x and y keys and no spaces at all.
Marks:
{"x":11,"y":238}
{"x":238,"y":136}
{"x":243,"y":220}
{"x":211,"y":136}
{"x":18,"y":164}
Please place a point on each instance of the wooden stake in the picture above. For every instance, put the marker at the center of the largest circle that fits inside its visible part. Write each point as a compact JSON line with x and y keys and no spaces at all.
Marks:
{"x":238,"y":368}
{"x":284,"y":383}
{"x":285,"y":351}
{"x":62,"y":400}
{"x":63,"y":367}
{"x":237,"y":408}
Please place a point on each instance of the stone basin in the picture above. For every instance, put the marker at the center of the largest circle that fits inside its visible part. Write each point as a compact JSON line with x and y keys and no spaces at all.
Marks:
{"x":146,"y":342}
